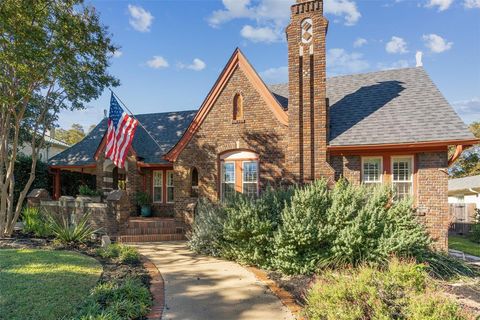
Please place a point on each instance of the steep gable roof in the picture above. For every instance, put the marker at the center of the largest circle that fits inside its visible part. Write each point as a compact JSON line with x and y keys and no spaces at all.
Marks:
{"x":166,"y":128}
{"x":387,"y":107}
{"x":237,"y":60}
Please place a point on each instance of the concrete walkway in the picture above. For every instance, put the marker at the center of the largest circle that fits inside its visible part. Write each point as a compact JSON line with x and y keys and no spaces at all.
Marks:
{"x":199,"y":287}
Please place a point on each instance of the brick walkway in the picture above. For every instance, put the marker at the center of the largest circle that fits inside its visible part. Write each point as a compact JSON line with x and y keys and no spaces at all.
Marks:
{"x":198,"y":287}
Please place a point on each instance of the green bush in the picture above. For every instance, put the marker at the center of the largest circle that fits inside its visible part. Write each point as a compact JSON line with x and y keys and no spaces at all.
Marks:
{"x":402,"y":290}
{"x":207,"y":229}
{"x":474,"y":234}
{"x":250,"y":225}
{"x":120,"y":253}
{"x":35,"y":221}
{"x":23,"y":166}
{"x":300,"y":242}
{"x":71,"y":233}
{"x":441,"y":265}
{"x":85,"y":190}
{"x":126,"y":299}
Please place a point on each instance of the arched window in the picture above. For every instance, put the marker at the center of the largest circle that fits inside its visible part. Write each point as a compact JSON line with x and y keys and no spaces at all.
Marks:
{"x":239,"y":173}
{"x":194,"y":192}
{"x":238,"y":107}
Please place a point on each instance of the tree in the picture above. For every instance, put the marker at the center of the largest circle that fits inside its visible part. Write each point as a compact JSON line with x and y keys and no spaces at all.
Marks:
{"x":72,"y":135}
{"x":469,"y":162}
{"x":54,"y":55}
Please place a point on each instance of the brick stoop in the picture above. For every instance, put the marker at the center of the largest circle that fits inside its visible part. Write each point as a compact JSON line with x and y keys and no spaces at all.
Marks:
{"x":140,"y":229}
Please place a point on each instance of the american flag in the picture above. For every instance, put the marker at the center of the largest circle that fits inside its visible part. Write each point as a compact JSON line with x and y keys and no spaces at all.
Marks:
{"x":121,"y":129}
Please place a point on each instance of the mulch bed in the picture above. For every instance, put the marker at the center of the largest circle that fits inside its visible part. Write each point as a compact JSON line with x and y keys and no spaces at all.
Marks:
{"x":297,"y":286}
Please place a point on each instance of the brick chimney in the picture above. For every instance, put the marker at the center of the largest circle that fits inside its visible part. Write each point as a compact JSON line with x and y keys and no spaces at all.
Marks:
{"x":307,"y":104}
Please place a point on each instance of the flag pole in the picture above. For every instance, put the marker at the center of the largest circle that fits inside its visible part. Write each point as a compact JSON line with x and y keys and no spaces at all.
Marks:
{"x":131,"y":113}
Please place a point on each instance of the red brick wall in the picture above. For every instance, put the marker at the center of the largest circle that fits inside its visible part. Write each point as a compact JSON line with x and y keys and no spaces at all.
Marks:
{"x":260,"y":132}
{"x":307,"y":157}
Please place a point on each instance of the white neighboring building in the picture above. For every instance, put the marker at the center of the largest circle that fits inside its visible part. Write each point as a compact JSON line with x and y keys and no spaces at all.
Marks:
{"x":52,"y":147}
{"x":464,"y":190}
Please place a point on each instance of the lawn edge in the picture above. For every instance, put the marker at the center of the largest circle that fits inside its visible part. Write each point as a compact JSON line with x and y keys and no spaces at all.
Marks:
{"x":157,"y":289}
{"x":284,"y":296}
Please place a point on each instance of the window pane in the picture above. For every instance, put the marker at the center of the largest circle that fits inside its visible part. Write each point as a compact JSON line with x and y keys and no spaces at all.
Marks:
{"x":250,"y":171}
{"x":169,"y":194}
{"x":228,"y":190}
{"x":250,"y":189}
{"x":372,"y":170}
{"x":228,"y":172}
{"x":170,"y":178}
{"x":402,"y":177}
{"x":157,"y":194}
{"x":157,"y":178}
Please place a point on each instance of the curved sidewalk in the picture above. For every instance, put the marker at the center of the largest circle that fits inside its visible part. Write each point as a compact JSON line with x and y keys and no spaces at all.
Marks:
{"x":199,"y":287}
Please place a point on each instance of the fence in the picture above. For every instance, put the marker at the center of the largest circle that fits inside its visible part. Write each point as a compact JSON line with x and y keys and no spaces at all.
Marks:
{"x":462,"y":216}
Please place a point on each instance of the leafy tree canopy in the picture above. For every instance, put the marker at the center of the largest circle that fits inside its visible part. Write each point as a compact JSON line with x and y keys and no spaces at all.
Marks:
{"x":72,"y":135}
{"x":469,"y":162}
{"x":54,"y":55}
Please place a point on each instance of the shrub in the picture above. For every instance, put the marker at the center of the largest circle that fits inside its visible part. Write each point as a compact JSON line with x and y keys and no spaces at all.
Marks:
{"x":474,"y":234}
{"x":443,"y":266}
{"x":207,"y":229}
{"x":35,"y":221}
{"x":120,"y":253}
{"x":128,"y":299}
{"x":85,"y":190}
{"x":250,"y":225}
{"x":402,"y":290}
{"x":300,"y":241}
{"x":71,"y":233}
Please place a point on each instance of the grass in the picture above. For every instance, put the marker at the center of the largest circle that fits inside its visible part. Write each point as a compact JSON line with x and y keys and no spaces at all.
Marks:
{"x":44,"y":284}
{"x":463,"y":244}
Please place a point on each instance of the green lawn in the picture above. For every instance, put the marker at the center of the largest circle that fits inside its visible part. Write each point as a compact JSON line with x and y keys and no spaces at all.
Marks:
{"x":463,"y":244}
{"x":44,"y":284}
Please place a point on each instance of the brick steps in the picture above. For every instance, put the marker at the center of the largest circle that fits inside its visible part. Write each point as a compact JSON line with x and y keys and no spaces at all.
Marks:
{"x":152,"y":238}
{"x":152,"y":229}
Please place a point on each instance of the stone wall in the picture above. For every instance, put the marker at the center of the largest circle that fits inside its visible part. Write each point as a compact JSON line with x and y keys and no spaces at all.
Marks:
{"x":107,"y":217}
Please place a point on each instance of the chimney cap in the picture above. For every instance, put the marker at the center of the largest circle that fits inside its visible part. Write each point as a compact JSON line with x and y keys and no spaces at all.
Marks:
{"x":418,"y":58}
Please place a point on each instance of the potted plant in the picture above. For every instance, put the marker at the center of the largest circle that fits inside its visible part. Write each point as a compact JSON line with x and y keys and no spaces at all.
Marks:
{"x":143,"y":200}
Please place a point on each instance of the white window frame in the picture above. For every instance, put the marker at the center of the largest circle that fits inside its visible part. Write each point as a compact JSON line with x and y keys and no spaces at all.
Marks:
{"x":167,"y":186}
{"x":157,"y":186}
{"x":222,"y":181}
{"x":364,"y":159}
{"x":243,"y":174}
{"x":412,"y":171}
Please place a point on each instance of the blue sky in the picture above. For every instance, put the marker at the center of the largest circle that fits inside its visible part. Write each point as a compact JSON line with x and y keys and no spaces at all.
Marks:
{"x":171,"y":52}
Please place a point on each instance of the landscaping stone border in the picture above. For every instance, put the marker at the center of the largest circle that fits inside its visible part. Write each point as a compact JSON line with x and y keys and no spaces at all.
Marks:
{"x":157,"y":289}
{"x":285,"y":297}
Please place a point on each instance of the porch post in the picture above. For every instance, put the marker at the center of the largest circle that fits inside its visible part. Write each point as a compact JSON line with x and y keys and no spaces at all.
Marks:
{"x":56,"y":185}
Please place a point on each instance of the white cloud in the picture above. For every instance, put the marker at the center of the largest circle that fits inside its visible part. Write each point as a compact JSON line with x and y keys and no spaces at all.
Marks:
{"x":441,"y":4}
{"x":396,"y":45}
{"x":395,"y":65}
{"x":436,"y":43}
{"x":157,"y":62}
{"x":140,"y":19}
{"x":346,"y":8}
{"x":340,"y":61}
{"x":471,"y":4}
{"x":271,"y":16}
{"x":359,"y":42}
{"x":275,"y":75}
{"x":196,"y":65}
{"x":117,"y":54}
{"x":260,"y":34}
{"x":468,"y":109}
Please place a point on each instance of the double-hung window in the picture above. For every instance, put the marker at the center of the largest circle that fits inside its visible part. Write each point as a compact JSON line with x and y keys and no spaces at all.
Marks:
{"x":402,"y":176}
{"x":169,"y":186}
{"x":158,"y":186}
{"x":228,"y":179}
{"x":250,"y":178}
{"x":372,"y":170}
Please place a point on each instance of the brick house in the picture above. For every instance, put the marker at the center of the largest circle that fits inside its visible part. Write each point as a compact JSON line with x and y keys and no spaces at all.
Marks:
{"x":382,"y":127}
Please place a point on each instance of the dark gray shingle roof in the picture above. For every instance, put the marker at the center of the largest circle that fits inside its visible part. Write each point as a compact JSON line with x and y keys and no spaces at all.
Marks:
{"x":392,"y":106}
{"x":166,"y":128}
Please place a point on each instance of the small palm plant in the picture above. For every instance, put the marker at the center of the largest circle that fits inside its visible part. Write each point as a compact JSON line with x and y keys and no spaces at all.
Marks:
{"x":71,"y":233}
